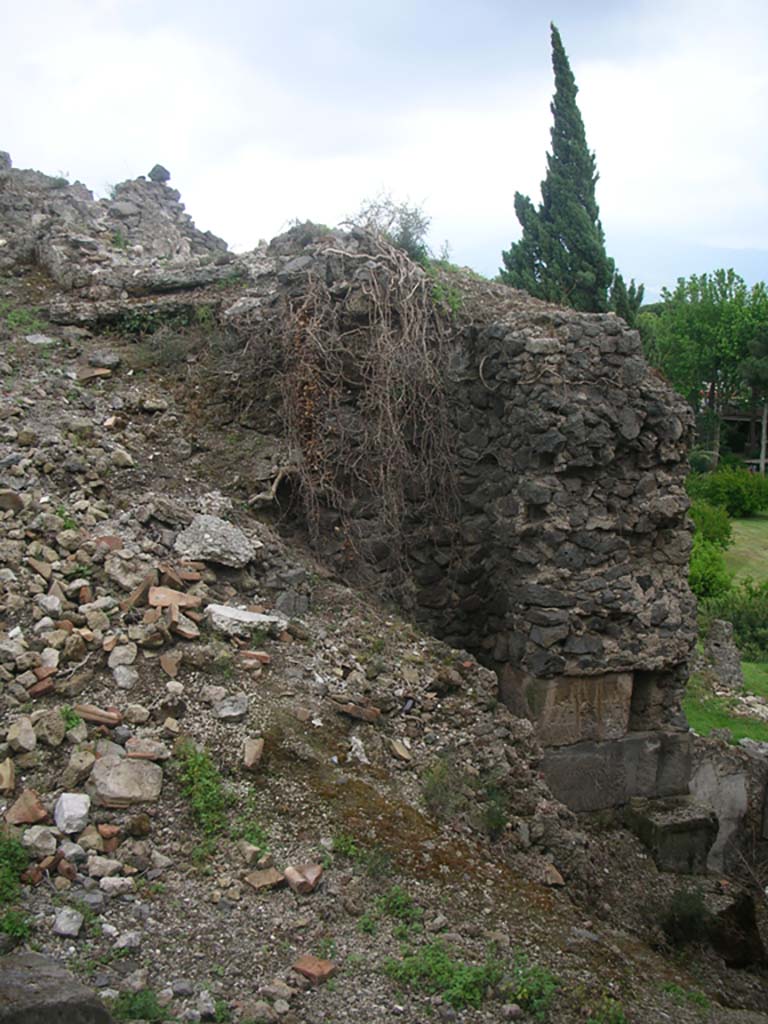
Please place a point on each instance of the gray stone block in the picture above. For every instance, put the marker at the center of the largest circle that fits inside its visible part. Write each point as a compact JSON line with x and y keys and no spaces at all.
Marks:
{"x":594,"y":776}
{"x":37,"y":990}
{"x":678,"y":831}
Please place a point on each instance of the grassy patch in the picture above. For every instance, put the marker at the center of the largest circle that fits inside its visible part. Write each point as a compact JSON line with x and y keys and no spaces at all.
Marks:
{"x":706,"y":712}
{"x":432,"y":969}
{"x":16,"y":924}
{"x":748,"y":555}
{"x":681,"y":996}
{"x":25,"y":321}
{"x":531,"y":986}
{"x":755,"y":677}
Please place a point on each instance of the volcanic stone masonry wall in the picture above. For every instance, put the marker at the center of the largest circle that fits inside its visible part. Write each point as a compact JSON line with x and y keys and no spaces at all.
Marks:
{"x":572,"y":577}
{"x":568,"y":571}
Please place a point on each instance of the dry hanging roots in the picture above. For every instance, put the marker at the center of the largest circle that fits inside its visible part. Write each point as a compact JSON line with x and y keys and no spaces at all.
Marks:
{"x":363,"y":390}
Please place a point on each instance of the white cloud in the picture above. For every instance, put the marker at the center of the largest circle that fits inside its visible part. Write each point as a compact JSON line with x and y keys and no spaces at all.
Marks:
{"x":256,"y":131}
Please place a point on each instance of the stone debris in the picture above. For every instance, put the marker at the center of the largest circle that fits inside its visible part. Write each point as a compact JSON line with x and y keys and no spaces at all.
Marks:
{"x":253,"y":751}
{"x":304,"y":878}
{"x":239,"y":622}
{"x":120,"y":782}
{"x":68,"y":923}
{"x":211,"y":539}
{"x":27,"y":810}
{"x":268,"y":878}
{"x":71,"y":812}
{"x":315,"y":969}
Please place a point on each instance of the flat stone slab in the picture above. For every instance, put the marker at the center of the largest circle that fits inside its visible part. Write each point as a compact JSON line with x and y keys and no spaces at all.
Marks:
{"x":239,"y":622}
{"x":121,"y":781}
{"x":593,"y":776}
{"x":35,"y":989}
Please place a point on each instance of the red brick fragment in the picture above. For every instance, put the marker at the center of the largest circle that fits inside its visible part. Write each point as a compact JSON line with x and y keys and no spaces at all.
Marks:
{"x":364,"y":714}
{"x":27,"y":810}
{"x":304,"y":877}
{"x":164,"y":597}
{"x":314,"y":968}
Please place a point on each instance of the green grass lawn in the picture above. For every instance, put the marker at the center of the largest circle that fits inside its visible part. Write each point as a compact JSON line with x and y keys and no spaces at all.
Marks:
{"x":748,"y":556}
{"x":706,"y":712}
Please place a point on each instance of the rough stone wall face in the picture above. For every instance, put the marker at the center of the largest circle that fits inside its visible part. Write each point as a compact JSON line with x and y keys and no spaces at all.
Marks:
{"x":572,"y":575}
{"x":566,"y":570}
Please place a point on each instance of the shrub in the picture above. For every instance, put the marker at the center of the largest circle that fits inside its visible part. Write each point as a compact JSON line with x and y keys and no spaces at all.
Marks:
{"x":746,"y":606}
{"x":403,"y":225}
{"x":432,"y":969}
{"x":708,"y":575}
{"x":712,"y":523}
{"x":443,"y":786}
{"x":532,"y":986}
{"x":740,"y":492}
{"x":686,"y":919}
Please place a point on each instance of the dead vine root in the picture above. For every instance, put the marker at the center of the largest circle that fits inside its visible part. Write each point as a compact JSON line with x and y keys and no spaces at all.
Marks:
{"x":362,"y":364}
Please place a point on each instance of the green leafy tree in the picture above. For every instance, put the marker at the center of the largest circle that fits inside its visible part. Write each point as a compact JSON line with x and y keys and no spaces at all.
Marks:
{"x":699,"y":339}
{"x":561,"y":256}
{"x":626,"y":301}
{"x":755,"y":366}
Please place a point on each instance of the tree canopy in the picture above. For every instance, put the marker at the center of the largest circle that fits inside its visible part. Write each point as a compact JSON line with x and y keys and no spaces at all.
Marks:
{"x":561,"y":256}
{"x":710,"y":338}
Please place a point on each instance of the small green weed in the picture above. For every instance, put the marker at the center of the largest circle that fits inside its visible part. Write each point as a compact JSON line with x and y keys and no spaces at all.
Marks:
{"x":141,"y":1005}
{"x":398,"y":904}
{"x":531,"y":986}
{"x":607,"y":1011}
{"x":376,"y":861}
{"x":203,"y":787}
{"x":13,"y":860}
{"x":367,"y":924}
{"x":432,"y":969}
{"x":346,"y":846}
{"x":259,"y":636}
{"x":119,"y":241}
{"x":326,"y":948}
{"x":246,"y":827}
{"x":681,"y":996}
{"x":15,"y":924}
{"x":222,"y":1012}
{"x":70,"y":717}
{"x":67,"y":522}
{"x":442,"y":786}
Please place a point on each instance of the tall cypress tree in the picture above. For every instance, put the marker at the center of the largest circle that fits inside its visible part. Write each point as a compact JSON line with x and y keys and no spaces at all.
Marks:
{"x":561,"y":256}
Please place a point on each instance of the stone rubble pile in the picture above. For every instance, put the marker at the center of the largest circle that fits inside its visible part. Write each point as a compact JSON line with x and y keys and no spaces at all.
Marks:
{"x":132,"y":621}
{"x":137,"y":241}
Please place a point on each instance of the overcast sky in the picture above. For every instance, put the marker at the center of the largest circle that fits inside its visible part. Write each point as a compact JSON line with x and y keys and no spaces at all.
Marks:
{"x":268,"y":110}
